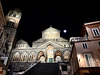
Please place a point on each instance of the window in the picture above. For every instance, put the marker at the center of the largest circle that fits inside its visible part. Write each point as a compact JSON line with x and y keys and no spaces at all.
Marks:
{"x":95,"y":31}
{"x":57,"y":40}
{"x":84,"y":45}
{"x":32,"y":57}
{"x":64,"y":45}
{"x":24,"y":57}
{"x":10,"y":24}
{"x":50,"y":53}
{"x":16,"y":56}
{"x":64,"y":68}
{"x":14,"y":15}
{"x":22,"y":45}
{"x":89,"y":60}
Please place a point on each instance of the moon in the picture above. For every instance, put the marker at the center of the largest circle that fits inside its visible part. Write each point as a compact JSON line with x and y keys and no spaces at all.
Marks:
{"x":65,"y":31}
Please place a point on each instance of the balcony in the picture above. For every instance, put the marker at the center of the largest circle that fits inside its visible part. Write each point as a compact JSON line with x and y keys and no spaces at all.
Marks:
{"x":76,"y":39}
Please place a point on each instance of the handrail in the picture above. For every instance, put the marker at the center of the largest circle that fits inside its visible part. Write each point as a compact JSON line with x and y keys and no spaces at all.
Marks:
{"x":30,"y":67}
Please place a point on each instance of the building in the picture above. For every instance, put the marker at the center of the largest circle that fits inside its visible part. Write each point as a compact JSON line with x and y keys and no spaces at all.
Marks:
{"x":51,"y":48}
{"x":85,"y":55}
{"x":8,"y":28}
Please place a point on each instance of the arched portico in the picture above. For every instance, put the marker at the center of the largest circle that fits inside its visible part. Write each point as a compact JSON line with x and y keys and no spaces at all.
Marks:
{"x":58,"y":56}
{"x":41,"y":57}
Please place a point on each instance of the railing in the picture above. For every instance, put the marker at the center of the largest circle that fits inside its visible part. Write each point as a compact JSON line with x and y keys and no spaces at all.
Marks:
{"x":75,"y":39}
{"x":21,"y":73}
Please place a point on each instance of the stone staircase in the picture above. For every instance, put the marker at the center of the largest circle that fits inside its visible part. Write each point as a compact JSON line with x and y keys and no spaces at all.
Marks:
{"x":43,"y":69}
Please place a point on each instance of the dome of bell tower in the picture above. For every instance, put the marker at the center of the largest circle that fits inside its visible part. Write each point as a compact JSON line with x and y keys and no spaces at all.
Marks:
{"x":13,"y":17}
{"x":15,"y":13}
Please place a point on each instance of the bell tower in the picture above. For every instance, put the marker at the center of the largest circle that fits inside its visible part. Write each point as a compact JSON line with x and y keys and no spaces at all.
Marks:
{"x":13,"y":18}
{"x":12,"y":21}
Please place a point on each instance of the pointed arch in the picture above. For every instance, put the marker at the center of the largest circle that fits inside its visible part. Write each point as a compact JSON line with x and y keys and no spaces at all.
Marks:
{"x":24,"y":57}
{"x":32,"y":57}
{"x":50,"y":53}
{"x":58,"y":53}
{"x":58,"y":56}
{"x":49,"y":47}
{"x":16,"y":56}
{"x":66,"y":55}
{"x":41,"y":56}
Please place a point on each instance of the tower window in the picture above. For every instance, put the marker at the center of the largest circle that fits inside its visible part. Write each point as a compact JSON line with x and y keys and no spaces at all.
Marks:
{"x":14,"y":15}
{"x":84,"y":45}
{"x":10,"y":24}
{"x":99,"y":43}
{"x":95,"y":31}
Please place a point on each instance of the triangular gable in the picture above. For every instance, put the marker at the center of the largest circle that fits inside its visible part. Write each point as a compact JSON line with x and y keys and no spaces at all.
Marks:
{"x":54,"y":44}
{"x":21,"y":44}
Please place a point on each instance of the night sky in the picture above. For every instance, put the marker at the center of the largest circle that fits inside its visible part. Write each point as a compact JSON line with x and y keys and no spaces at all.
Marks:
{"x":38,"y":16}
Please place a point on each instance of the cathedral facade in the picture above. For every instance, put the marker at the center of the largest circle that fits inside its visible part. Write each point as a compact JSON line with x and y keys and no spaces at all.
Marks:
{"x":51,"y":48}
